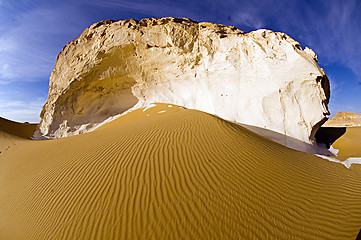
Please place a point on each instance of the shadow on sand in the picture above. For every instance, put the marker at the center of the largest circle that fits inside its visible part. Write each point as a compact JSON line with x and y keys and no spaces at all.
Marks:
{"x":328,"y":135}
{"x":325,"y":136}
{"x":358,"y":235}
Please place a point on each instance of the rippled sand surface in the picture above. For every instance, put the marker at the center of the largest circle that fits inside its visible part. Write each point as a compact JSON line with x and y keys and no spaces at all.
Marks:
{"x":173,"y":173}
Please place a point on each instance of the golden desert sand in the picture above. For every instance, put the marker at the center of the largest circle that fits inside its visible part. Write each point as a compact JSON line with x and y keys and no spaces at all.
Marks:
{"x":349,"y":144}
{"x":24,"y":130}
{"x":172,"y":173}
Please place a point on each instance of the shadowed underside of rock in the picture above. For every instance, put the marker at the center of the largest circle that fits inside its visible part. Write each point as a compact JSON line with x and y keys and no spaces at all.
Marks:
{"x":261,"y":78}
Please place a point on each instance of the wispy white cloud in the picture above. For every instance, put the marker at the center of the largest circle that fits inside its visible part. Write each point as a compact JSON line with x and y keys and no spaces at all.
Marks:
{"x":248,"y":19}
{"x":31,"y":35}
{"x":150,"y":8}
{"x":29,"y":44}
{"x":332,"y":30}
{"x":30,"y":39}
{"x":334,"y":85}
{"x":4,"y":71}
{"x":21,"y":111}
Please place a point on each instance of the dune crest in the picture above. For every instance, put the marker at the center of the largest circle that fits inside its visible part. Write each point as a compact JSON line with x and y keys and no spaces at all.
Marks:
{"x":172,"y":173}
{"x":23,"y":130}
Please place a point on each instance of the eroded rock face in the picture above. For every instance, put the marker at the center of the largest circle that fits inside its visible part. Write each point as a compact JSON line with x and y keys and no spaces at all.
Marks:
{"x":261,"y":78}
{"x":344,"y":119}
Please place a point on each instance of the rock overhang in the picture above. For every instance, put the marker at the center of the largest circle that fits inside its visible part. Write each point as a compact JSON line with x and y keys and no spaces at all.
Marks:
{"x":261,"y":78}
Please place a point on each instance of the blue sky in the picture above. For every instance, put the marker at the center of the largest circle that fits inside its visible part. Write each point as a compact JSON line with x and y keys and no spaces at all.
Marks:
{"x":33,"y":32}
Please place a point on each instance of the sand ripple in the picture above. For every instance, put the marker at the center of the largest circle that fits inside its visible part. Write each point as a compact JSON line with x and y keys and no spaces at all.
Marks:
{"x":175,"y":174}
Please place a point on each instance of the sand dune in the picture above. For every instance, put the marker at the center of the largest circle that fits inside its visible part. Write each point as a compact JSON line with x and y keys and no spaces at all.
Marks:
{"x":11,"y":132}
{"x":349,"y":144}
{"x":24,"y":130}
{"x":171,"y":173}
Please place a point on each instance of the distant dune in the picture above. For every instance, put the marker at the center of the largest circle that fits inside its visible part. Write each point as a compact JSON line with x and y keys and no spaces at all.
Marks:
{"x":12,"y":132}
{"x":170,"y":173}
{"x":24,"y":130}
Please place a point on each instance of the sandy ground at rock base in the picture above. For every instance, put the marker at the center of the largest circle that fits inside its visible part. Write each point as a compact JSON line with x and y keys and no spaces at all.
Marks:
{"x":168,"y":173}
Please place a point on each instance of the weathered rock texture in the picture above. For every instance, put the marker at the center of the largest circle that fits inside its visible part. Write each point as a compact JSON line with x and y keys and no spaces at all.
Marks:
{"x":344,"y":119}
{"x":261,"y":78}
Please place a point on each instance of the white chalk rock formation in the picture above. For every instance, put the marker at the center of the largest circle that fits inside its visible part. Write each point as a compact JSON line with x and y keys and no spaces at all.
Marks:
{"x":344,"y":119}
{"x":261,"y":78}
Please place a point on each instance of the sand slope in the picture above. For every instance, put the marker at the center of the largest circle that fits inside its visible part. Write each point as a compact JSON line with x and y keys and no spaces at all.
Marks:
{"x":12,"y":132}
{"x":24,"y":130}
{"x":349,"y":144}
{"x":174,"y":174}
